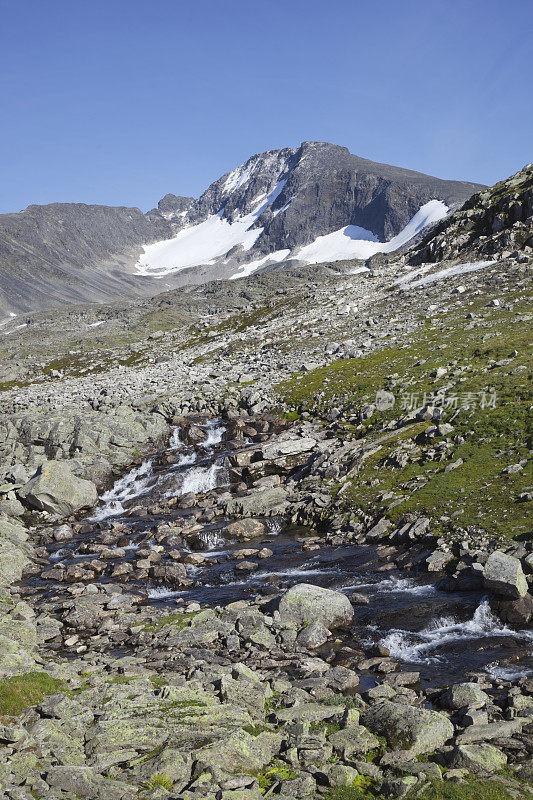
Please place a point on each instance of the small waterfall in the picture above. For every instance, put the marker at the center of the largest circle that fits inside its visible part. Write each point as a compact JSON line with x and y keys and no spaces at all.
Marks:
{"x":274,"y":525}
{"x":175,"y":441}
{"x":133,"y":484}
{"x":201,"y":479}
{"x":211,"y":539}
{"x":215,"y":432}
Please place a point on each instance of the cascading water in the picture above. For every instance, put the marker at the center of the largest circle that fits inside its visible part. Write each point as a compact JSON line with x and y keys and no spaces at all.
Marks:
{"x":399,"y":608}
{"x":202,"y":479}
{"x":134,"y":484}
{"x":215,"y":432}
{"x":175,"y":440}
{"x":419,"y":647}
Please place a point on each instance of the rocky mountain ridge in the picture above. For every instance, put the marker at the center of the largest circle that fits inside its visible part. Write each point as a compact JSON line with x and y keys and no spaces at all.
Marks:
{"x":66,"y":253}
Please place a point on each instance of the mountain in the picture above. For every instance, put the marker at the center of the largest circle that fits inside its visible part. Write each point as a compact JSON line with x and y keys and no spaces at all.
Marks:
{"x":309,"y":204}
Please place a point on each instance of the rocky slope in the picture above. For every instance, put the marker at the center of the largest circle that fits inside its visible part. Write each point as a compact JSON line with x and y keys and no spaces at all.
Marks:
{"x":66,"y":253}
{"x":384,"y":412}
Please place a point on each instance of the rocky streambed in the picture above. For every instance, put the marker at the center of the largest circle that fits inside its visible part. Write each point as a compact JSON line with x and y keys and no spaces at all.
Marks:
{"x":205,"y":643}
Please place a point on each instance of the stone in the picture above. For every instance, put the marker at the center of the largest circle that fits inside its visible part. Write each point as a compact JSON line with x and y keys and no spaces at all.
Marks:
{"x":54,"y":488}
{"x":464,"y":694}
{"x":13,"y":560}
{"x":313,"y":636}
{"x":341,"y":679}
{"x":85,"y":782}
{"x":262,"y":503}
{"x":407,"y":728}
{"x":518,"y":613}
{"x":353,"y":740}
{"x":305,"y":603}
{"x":478,"y":758}
{"x":503,"y":574}
{"x":287,"y":447}
{"x":246,"y":529}
{"x":494,"y":730}
{"x":240,"y":752}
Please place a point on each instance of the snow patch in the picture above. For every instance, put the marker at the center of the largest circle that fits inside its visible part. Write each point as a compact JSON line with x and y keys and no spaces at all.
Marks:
{"x":5,"y":321}
{"x":354,"y":242}
{"x":252,"y":266}
{"x":206,"y":241}
{"x":459,"y":269}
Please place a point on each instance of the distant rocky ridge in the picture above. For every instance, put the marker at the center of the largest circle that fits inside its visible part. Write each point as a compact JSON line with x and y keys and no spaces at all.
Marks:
{"x":66,"y":253}
{"x":499,"y":219}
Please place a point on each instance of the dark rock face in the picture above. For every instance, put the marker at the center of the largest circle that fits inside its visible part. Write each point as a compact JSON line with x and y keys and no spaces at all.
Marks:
{"x":173,"y":204}
{"x":71,"y":252}
{"x":325,"y":188}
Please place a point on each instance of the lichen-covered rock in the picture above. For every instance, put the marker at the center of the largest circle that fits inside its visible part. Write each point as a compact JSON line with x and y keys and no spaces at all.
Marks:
{"x":464,"y":694}
{"x":263,"y":503}
{"x":353,"y":740}
{"x":304,"y":604}
{"x":13,"y":560}
{"x":414,"y":730}
{"x":85,"y":782}
{"x":478,"y":758}
{"x":246,"y":529}
{"x":504,"y":574}
{"x":54,"y":488}
{"x":240,"y":752}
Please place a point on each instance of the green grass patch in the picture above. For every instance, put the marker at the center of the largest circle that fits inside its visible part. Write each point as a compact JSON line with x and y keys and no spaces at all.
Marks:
{"x":471,"y":788}
{"x":23,"y":691}
{"x":487,"y":383}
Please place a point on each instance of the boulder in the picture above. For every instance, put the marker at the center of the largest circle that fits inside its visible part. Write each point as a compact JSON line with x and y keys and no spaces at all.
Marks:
{"x":262,"y":503}
{"x":518,"y":613}
{"x":407,"y":728}
{"x":288,"y":447}
{"x":246,"y":529}
{"x":12,"y":563}
{"x":240,"y":752}
{"x":85,"y":782}
{"x":503,"y":574}
{"x":353,"y":740}
{"x":54,"y":488}
{"x":304,"y":604}
{"x":313,"y":636}
{"x":478,"y":758}
{"x":464,"y":694}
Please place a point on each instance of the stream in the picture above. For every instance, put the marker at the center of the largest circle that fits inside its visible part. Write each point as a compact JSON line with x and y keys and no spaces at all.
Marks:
{"x":441,"y":635}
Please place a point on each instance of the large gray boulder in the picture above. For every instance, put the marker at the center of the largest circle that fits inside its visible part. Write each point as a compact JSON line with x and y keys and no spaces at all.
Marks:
{"x":504,"y":574}
{"x":263,"y":503}
{"x":478,"y":758}
{"x":246,"y":529}
{"x":287,"y":447}
{"x":86,"y":782}
{"x":410,"y":729}
{"x":54,"y":488}
{"x":304,"y":604}
{"x":464,"y":694}
{"x":12,"y":562}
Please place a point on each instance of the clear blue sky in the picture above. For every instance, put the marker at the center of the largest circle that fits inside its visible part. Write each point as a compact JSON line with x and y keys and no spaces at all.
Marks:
{"x":122,"y":101}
